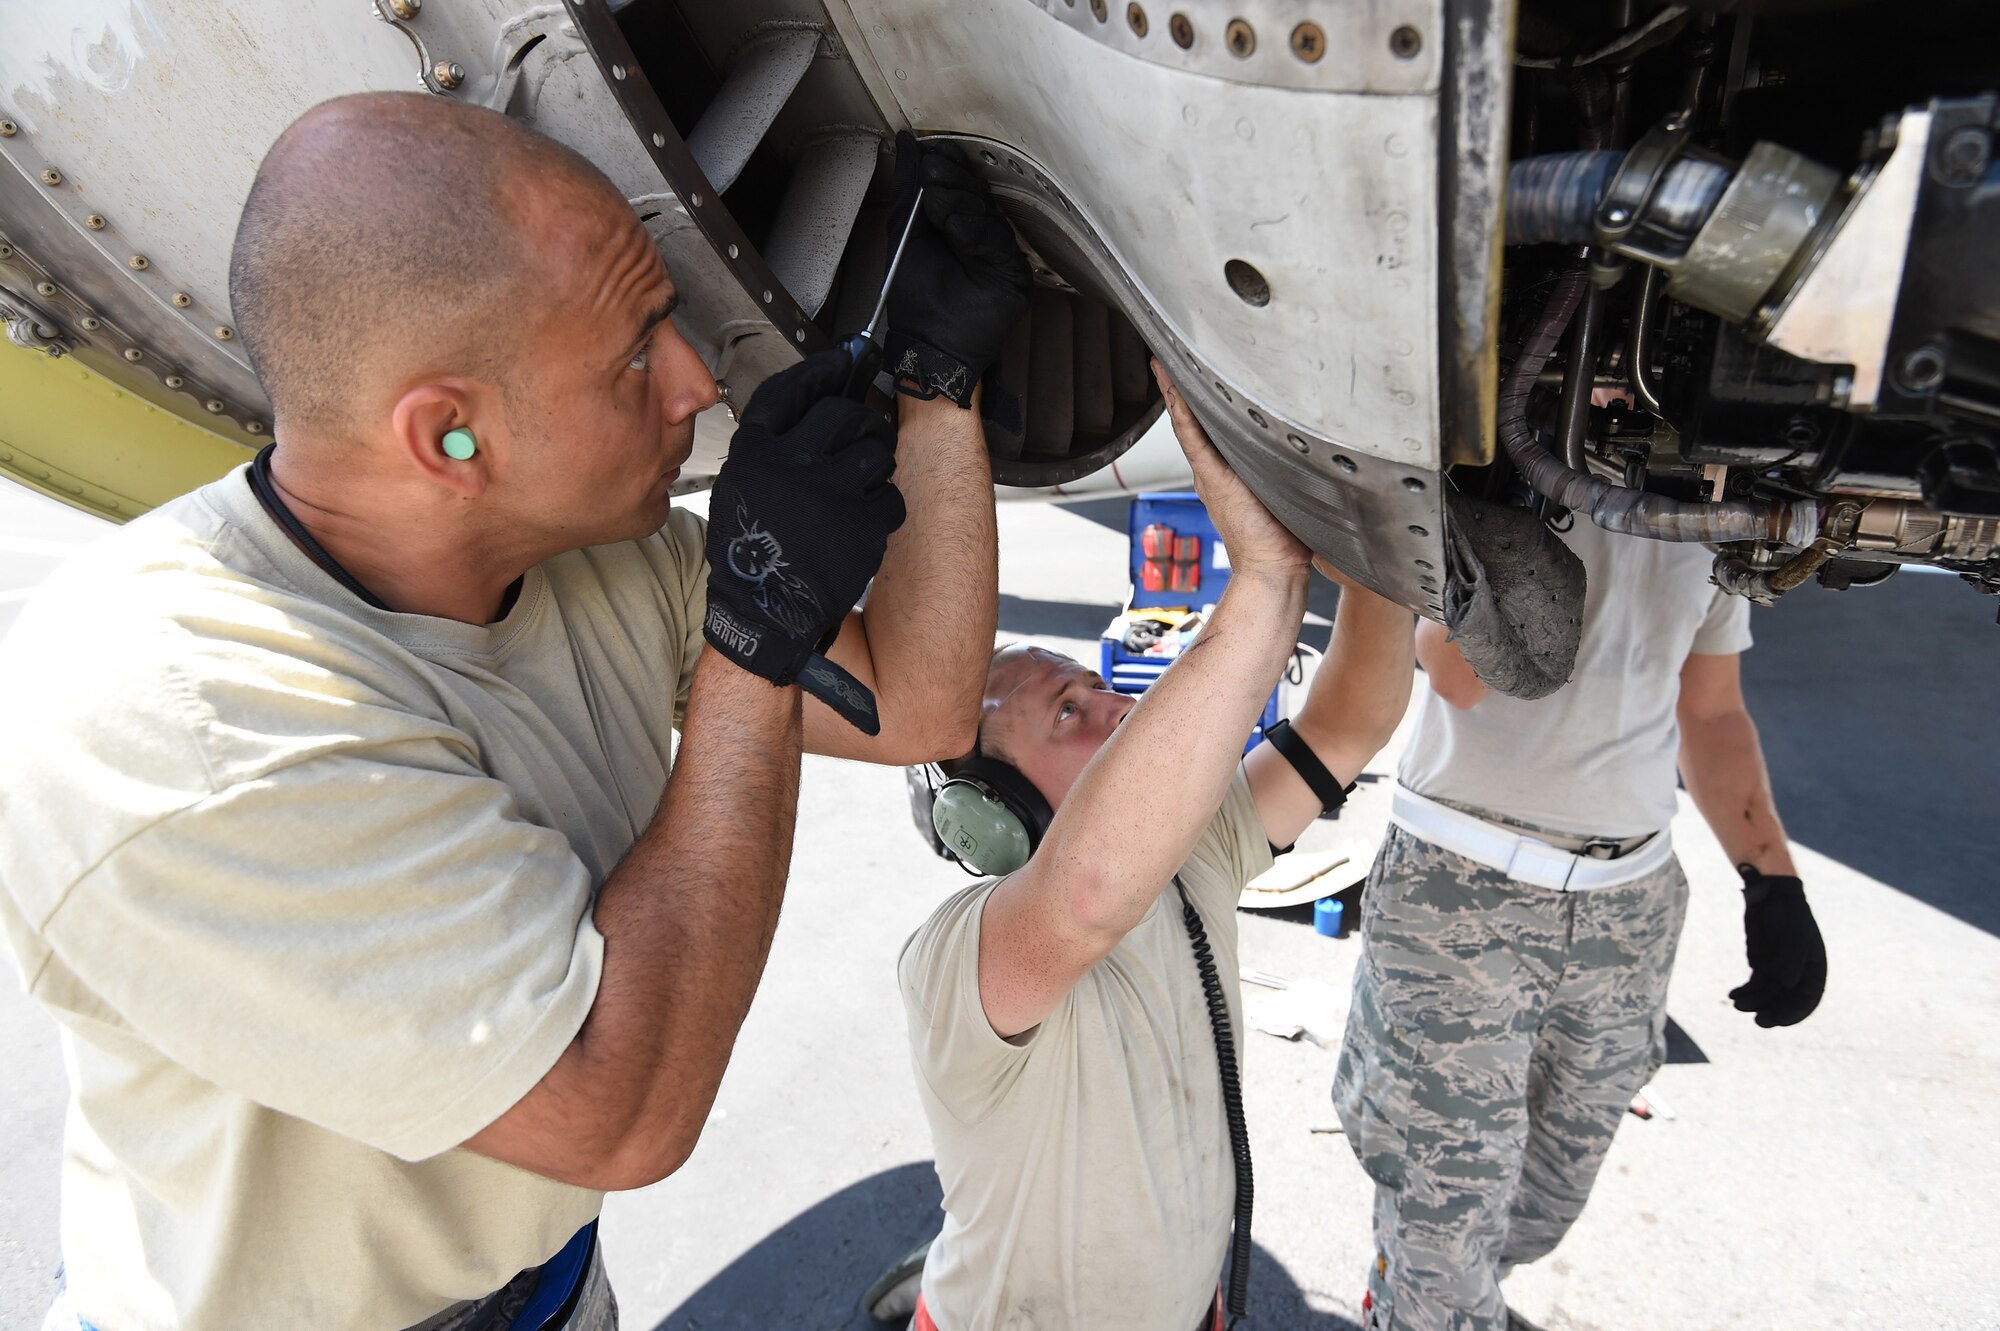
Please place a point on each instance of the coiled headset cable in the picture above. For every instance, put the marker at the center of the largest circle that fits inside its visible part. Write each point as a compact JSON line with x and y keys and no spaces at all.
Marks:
{"x":1232,"y":1104}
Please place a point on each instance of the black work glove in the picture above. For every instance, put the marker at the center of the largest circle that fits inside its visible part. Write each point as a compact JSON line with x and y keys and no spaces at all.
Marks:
{"x":963,"y":283}
{"x":798,"y":520}
{"x":1787,"y":954}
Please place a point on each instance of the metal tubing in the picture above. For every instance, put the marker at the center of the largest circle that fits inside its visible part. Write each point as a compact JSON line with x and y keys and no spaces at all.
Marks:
{"x":1614,"y":507}
{"x":1579,"y":376}
{"x":1639,"y":351}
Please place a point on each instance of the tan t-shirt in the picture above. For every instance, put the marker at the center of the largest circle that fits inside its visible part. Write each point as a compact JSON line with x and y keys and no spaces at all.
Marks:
{"x":308,"y":886}
{"x":1086,"y":1167}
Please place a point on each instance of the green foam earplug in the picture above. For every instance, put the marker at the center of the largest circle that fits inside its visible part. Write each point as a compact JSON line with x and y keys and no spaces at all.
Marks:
{"x":459,"y":444}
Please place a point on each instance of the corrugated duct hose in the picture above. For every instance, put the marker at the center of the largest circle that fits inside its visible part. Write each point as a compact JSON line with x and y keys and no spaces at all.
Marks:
{"x":1616,"y":507}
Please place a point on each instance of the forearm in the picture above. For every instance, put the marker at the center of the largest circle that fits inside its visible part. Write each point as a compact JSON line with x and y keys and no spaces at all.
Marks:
{"x":1722,"y":765}
{"x":1138,"y":808}
{"x":1358,"y":696}
{"x":930,"y":613}
{"x":1451,"y":678}
{"x":1362,"y":688}
{"x":687,"y":920}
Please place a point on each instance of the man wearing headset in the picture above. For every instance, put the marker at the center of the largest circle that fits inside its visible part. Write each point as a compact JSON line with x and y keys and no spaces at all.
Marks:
{"x":341,"y":841}
{"x":1059,"y":1017}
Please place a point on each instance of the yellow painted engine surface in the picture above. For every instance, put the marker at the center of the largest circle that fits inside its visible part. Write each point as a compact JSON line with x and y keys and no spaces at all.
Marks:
{"x":75,"y":436}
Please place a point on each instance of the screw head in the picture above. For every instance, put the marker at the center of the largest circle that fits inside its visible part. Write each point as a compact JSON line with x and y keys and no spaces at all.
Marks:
{"x":1240,"y":38}
{"x":89,"y":323}
{"x":1135,"y":18}
{"x":448,"y":73}
{"x":223,"y":332}
{"x":1618,"y":216}
{"x":52,"y":177}
{"x":1298,"y":443}
{"x":1405,"y":42}
{"x":214,"y":406}
{"x":1181,"y":30}
{"x":45,"y":288}
{"x":96,"y":222}
{"x":1963,"y":158}
{"x":138,"y":263}
{"x":133,"y":354}
{"x":1098,"y":10}
{"x":6,"y":252}
{"x":1308,"y":42}
{"x":182,"y":300}
{"x":254,"y":427}
{"x":173,"y":381}
{"x":1922,"y":370}
{"x":405,"y":9}
{"x":8,"y":129}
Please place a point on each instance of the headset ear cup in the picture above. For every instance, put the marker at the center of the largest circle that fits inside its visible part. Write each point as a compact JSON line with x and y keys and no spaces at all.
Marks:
{"x":990,"y":816}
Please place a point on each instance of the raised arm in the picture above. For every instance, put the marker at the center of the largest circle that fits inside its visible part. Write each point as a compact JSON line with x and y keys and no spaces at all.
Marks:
{"x":1137,"y":810}
{"x":1357,"y":698}
{"x":923,"y":640}
{"x":687,"y":916}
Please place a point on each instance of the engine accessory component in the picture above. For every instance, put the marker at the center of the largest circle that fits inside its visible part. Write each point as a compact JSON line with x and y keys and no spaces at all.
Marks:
{"x":1839,"y":311}
{"x":1614,"y":507}
{"x":1734,"y":573}
{"x":1513,"y":599}
{"x":1910,"y":531}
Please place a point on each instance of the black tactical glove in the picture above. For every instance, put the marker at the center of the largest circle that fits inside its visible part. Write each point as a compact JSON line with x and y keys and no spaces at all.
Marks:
{"x":798,"y":520}
{"x":963,"y":283}
{"x":1787,"y":954}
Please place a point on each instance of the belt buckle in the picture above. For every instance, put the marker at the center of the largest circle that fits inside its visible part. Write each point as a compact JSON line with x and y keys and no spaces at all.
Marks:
{"x":1540,"y":864}
{"x":1602,"y":848}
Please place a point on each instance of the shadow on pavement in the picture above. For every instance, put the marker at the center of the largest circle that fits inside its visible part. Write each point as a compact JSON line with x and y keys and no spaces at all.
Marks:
{"x":1880,"y":713}
{"x":813,"y":1270}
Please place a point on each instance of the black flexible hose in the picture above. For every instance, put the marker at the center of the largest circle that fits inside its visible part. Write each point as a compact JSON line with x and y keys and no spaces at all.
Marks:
{"x":1615,"y":507}
{"x":1232,"y":1104}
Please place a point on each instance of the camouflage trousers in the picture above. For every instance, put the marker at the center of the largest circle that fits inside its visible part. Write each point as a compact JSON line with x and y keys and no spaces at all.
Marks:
{"x":1497,"y":1036}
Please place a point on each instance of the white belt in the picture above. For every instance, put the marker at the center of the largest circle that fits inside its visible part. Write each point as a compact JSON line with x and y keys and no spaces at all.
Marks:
{"x":1524,"y":858}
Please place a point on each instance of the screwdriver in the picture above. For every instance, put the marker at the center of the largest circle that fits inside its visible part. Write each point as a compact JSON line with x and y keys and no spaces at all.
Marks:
{"x":864,"y":349}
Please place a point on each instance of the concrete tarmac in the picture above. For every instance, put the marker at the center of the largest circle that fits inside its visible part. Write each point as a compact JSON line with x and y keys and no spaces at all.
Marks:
{"x":1840,"y":1174}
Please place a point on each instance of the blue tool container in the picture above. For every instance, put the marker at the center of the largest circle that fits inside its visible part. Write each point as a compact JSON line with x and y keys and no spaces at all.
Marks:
{"x":1134,"y":672}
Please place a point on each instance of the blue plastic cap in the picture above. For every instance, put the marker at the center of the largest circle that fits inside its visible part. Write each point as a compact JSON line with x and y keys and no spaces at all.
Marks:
{"x":1326,"y":917}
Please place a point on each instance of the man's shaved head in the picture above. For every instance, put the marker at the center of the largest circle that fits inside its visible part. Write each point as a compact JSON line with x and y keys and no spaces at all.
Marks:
{"x":383,"y":236}
{"x":1046,"y":715}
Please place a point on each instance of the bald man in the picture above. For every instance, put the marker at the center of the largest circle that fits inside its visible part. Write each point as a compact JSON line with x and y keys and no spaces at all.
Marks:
{"x":340,"y":839}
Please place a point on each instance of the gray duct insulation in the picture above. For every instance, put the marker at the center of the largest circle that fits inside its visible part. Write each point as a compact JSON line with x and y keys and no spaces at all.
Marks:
{"x":1553,"y":199}
{"x":1618,"y":508}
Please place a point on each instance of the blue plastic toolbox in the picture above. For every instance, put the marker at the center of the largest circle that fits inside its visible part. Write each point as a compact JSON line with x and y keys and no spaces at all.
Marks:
{"x":1165,"y":581}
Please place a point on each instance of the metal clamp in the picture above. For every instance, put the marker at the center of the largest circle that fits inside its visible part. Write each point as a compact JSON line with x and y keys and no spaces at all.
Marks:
{"x":1639,"y":176}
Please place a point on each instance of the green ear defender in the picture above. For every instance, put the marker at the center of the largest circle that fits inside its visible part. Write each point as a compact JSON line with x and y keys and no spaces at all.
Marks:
{"x":989,"y":817}
{"x":459,"y":444}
